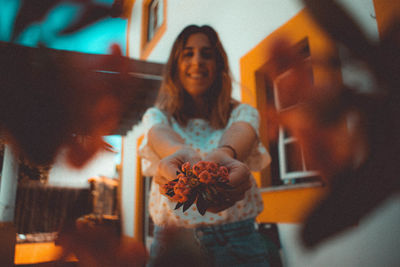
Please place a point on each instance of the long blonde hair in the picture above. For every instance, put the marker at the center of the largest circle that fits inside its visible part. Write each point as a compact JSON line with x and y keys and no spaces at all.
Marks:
{"x":173,"y":98}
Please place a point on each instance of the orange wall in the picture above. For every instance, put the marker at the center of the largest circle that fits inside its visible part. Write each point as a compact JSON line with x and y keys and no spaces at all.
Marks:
{"x":386,"y":11}
{"x":291,"y":205}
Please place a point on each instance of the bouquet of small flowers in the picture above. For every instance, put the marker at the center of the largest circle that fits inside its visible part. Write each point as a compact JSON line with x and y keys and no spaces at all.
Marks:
{"x":205,"y":184}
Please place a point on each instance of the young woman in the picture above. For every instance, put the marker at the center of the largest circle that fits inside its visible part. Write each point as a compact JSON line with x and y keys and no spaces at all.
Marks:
{"x":196,"y":119}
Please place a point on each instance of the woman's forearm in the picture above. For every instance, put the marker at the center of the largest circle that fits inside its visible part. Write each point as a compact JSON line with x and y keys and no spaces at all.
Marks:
{"x":172,"y":151}
{"x":164,"y":140}
{"x":241,"y":137}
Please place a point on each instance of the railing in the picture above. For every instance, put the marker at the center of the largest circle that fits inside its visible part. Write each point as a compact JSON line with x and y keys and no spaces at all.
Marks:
{"x":42,"y":208}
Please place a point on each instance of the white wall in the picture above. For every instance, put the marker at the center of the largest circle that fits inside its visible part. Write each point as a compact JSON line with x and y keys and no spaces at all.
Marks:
{"x":128,"y":183}
{"x":373,"y":242}
{"x":62,"y":174}
{"x":242,"y":25}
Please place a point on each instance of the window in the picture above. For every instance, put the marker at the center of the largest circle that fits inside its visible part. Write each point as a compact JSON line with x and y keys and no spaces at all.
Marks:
{"x":291,"y":161}
{"x":155,"y":18}
{"x":153,"y":25}
{"x":261,"y":90}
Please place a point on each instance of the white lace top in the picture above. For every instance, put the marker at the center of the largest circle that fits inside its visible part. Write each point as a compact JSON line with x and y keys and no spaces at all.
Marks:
{"x":202,"y":137}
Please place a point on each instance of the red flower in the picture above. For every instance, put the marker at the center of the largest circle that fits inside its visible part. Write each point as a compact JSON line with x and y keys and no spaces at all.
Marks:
{"x":180,"y":198}
{"x":194,"y":182}
{"x":167,"y":187}
{"x":204,"y":184}
{"x":183,"y":179}
{"x":223,"y":172}
{"x":181,"y":193}
{"x":212,"y":168}
{"x":205,"y":177}
{"x":199,"y":167}
{"x":182,"y":190}
{"x":182,"y":187}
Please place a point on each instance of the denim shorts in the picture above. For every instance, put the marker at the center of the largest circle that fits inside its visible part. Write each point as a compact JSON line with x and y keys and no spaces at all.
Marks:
{"x":232,"y":244}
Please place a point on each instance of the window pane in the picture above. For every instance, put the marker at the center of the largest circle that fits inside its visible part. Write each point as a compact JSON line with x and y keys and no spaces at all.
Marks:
{"x":155,"y":17}
{"x":293,"y":157}
{"x":150,"y":25}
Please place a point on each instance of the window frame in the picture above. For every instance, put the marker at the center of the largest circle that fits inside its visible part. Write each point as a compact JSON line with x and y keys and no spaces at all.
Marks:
{"x":284,"y":138}
{"x":255,"y":78}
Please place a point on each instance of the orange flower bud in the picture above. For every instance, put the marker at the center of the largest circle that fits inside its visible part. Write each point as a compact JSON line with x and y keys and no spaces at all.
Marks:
{"x":199,"y":167}
{"x":212,"y":167}
{"x":205,"y":177}
{"x":186,"y":167}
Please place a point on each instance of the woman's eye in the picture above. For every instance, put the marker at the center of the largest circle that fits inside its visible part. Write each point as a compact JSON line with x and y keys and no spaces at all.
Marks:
{"x":187,"y":54}
{"x":207,"y":55}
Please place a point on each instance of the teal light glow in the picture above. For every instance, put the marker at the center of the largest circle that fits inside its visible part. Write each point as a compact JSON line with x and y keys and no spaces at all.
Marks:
{"x":116,"y":142}
{"x":96,"y":38}
{"x":8,"y":11}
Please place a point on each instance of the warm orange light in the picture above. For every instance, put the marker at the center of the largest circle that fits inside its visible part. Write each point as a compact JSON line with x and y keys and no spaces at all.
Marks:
{"x":32,"y":253}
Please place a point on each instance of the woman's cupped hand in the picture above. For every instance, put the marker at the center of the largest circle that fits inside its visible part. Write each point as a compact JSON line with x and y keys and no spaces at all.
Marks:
{"x":239,"y":173}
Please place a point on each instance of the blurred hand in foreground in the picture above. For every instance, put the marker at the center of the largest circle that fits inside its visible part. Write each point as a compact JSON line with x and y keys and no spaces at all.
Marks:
{"x":56,"y":105}
{"x":96,"y":243}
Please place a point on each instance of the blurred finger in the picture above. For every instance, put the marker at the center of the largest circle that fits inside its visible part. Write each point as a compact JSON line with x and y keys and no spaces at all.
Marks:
{"x":239,"y":177}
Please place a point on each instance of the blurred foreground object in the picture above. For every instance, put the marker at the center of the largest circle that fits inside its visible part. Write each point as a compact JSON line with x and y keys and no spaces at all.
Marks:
{"x":7,"y":243}
{"x":53,"y":100}
{"x":183,"y":250}
{"x":47,"y":103}
{"x":351,"y":136}
{"x":97,"y":242}
{"x":8,"y":189}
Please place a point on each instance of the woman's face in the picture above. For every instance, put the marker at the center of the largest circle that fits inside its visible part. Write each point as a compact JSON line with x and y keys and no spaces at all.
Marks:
{"x":197,"y":65}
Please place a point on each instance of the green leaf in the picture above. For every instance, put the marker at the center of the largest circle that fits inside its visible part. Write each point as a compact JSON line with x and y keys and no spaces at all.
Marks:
{"x":213,"y":190}
{"x":178,"y":205}
{"x":190,"y":201}
{"x":202,"y":204}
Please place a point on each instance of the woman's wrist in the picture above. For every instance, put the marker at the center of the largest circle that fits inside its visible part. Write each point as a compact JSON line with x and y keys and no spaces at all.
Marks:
{"x":186,"y":150}
{"x":229,"y":150}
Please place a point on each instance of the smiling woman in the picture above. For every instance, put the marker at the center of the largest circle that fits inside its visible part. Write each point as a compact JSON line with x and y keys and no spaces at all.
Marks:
{"x":196,"y":120}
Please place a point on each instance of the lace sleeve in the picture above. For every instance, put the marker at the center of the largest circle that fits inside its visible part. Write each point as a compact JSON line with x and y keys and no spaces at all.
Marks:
{"x":259,"y":157}
{"x":149,"y":157}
